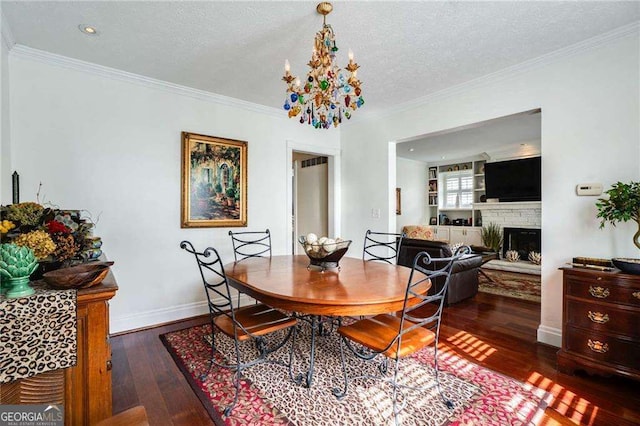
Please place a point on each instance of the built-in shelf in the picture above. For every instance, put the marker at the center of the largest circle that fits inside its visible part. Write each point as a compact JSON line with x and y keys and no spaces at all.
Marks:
{"x":440,"y":215}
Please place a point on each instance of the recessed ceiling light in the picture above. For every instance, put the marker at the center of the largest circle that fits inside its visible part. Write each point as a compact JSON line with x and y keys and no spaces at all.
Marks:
{"x":442,"y":157}
{"x":411,"y":149}
{"x":88,"y":29}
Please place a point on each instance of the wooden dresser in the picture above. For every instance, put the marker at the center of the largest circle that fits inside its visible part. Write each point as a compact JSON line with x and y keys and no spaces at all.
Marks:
{"x":85,"y":390}
{"x":601,"y":323}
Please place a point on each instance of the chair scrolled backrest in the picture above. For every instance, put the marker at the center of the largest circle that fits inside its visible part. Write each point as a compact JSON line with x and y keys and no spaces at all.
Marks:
{"x":250,"y":244}
{"x":441,"y":268}
{"x":216,"y":286}
{"x":382,"y":246}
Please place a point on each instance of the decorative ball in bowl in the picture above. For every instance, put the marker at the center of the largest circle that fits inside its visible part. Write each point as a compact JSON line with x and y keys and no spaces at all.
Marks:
{"x":628,"y":265}
{"x":324,"y":252}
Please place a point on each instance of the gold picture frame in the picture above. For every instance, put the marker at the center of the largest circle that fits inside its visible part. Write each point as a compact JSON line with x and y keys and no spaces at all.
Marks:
{"x":214,"y":182}
{"x":398,"y":201}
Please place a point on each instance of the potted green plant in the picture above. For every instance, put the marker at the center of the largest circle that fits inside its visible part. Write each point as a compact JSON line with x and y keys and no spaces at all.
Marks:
{"x":491,"y":235}
{"x":622,"y":205}
{"x":16,"y":265}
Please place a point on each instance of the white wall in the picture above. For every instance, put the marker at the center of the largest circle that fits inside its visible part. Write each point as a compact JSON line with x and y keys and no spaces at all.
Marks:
{"x":411,"y":178}
{"x":5,"y":135}
{"x":589,"y":98}
{"x":112,"y":146}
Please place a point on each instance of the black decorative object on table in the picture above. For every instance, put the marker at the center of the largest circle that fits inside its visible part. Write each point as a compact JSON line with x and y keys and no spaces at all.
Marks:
{"x":15,"y":187}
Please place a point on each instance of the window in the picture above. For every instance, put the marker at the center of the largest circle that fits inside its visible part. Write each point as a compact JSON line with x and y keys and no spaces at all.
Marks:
{"x":456,"y":189}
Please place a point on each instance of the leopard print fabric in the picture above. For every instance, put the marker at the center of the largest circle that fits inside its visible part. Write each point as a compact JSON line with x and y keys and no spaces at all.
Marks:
{"x":37,"y":333}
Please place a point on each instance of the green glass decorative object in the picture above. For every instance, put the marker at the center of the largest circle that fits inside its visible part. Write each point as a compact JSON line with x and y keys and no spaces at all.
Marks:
{"x":19,"y":287}
{"x":16,"y":265}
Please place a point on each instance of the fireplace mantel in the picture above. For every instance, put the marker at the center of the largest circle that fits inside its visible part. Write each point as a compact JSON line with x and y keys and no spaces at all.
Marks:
{"x":508,"y":206}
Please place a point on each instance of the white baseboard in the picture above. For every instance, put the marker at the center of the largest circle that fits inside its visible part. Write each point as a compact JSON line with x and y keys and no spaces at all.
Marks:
{"x":164,"y":315}
{"x":550,"y":335}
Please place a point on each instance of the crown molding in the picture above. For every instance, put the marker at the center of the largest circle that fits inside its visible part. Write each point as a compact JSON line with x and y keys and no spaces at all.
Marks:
{"x":24,"y":52}
{"x":7,"y":35}
{"x":512,"y":71}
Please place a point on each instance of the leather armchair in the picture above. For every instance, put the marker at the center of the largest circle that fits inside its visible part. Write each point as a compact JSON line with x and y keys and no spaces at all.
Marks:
{"x":463,"y":283}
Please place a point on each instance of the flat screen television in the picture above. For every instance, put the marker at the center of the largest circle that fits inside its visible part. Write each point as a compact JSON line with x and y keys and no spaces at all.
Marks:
{"x":514,"y":180}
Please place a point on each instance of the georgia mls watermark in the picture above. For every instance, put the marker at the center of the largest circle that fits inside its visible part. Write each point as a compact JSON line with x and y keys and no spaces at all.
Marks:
{"x":32,"y":415}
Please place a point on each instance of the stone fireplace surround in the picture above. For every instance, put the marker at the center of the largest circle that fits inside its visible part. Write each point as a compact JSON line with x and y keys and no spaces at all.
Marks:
{"x":516,"y":215}
{"x":526,"y":215}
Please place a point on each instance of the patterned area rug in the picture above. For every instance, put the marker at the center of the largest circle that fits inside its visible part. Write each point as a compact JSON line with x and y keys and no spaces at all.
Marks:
{"x":509,"y":284}
{"x":268,"y":396}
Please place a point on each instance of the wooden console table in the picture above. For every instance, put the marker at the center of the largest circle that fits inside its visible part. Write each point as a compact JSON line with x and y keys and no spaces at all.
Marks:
{"x":601,"y":323}
{"x":84,"y":389}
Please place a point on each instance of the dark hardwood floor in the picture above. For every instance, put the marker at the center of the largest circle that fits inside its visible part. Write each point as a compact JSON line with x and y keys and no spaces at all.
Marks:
{"x":494,"y":331}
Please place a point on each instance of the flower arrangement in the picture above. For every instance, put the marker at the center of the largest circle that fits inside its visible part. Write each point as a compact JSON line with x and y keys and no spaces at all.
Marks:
{"x":38,"y":241}
{"x":55,"y":236}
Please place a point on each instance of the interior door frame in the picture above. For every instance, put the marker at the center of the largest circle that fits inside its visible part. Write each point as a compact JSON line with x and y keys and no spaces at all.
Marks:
{"x":333,"y":188}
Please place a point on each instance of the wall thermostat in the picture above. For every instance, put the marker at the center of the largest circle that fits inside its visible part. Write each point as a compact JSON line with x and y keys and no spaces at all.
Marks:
{"x":589,"y":189}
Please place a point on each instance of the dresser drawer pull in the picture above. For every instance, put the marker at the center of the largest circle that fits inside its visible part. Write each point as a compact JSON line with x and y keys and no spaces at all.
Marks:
{"x":636,"y":294}
{"x":598,"y":317}
{"x":597,"y":346}
{"x":599,"y":292}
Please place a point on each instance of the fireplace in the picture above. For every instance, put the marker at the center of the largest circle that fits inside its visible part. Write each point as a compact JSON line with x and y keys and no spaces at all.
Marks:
{"x":523,"y":240}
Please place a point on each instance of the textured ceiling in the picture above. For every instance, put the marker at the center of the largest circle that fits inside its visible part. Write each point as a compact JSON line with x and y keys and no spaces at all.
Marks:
{"x":406,"y":49}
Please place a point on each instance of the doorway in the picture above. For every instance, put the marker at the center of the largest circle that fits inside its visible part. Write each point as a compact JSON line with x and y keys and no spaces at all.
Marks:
{"x":452,"y":163}
{"x":313,"y":192}
{"x":310,"y":196}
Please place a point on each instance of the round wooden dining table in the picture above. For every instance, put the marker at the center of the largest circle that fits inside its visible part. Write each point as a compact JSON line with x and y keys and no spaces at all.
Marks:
{"x":358,"y":288}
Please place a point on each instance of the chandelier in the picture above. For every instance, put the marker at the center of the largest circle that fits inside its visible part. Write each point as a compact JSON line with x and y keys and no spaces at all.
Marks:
{"x":328,"y":93}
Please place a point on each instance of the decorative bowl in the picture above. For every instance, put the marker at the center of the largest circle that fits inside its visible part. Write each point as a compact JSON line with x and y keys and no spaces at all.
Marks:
{"x":628,"y":265}
{"x":81,"y":276}
{"x":325,"y":255}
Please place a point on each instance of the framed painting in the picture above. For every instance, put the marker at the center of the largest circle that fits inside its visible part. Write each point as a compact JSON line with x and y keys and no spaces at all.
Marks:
{"x":398,"y":201}
{"x":214,"y":182}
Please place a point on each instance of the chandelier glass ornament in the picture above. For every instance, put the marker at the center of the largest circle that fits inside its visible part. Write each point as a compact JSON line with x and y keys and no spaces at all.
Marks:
{"x":329,"y":93}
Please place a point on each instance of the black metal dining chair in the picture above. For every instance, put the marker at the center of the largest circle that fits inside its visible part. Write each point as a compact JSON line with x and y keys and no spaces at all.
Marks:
{"x":253,"y":322}
{"x":382,"y":246}
{"x":250,"y":244}
{"x":398,"y":336}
